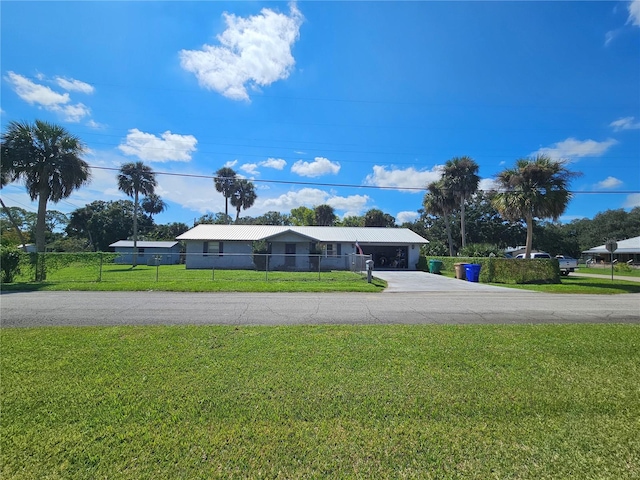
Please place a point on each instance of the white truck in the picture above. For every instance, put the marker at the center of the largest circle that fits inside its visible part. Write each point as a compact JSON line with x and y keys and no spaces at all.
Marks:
{"x":567,"y":264}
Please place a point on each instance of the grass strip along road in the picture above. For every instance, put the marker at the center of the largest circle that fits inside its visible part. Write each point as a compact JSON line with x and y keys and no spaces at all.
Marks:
{"x":473,"y":402}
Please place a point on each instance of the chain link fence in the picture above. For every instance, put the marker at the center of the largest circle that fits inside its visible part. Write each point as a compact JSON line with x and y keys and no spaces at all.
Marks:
{"x":113,"y":267}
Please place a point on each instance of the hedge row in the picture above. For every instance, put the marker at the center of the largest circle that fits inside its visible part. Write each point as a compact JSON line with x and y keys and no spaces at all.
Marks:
{"x":504,"y":270}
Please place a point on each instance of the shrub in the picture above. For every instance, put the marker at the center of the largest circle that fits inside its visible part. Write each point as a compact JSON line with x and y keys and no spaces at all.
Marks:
{"x":504,"y":270}
{"x":9,"y":263}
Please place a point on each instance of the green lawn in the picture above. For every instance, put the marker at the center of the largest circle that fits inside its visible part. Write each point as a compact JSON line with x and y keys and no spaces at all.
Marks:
{"x":583,"y":285}
{"x":631,"y":272}
{"x":177,"y":278}
{"x":472,"y":402}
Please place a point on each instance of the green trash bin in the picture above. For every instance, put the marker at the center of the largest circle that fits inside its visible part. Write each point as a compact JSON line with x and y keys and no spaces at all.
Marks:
{"x":435,"y":266}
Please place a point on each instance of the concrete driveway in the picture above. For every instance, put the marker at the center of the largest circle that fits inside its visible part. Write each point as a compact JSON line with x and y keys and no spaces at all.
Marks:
{"x":418,"y":281}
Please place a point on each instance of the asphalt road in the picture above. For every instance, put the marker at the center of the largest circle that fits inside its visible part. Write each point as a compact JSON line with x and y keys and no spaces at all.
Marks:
{"x":481,"y":306}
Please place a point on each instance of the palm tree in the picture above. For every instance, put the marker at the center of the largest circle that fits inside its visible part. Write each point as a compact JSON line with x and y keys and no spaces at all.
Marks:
{"x":534,"y":188}
{"x":153,"y":204}
{"x":325,"y":215}
{"x":461,"y":177}
{"x":46,"y":157}
{"x":439,"y":201}
{"x":244,"y":196}
{"x":135,"y":179}
{"x":224,"y":181}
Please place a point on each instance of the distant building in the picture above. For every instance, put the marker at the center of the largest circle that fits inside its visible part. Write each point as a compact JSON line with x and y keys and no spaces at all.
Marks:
{"x":150,"y":253}
{"x":628,"y":251}
{"x":298,"y":248}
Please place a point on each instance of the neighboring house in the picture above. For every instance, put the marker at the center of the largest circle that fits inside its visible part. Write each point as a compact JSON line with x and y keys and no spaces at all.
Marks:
{"x":150,"y":253}
{"x":27,"y":247}
{"x":628,"y":251}
{"x":298,"y":248}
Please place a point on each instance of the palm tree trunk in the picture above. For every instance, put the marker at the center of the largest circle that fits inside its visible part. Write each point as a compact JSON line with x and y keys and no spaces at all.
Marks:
{"x":135,"y":229}
{"x":447,"y":227}
{"x":41,"y":274}
{"x":462,"y":225}
{"x":15,"y":225}
{"x":527,"y":250}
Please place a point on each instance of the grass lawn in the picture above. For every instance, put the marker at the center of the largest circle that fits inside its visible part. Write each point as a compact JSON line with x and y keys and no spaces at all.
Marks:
{"x":583,"y":285}
{"x":473,"y":402}
{"x":177,"y":278}
{"x":632,"y":272}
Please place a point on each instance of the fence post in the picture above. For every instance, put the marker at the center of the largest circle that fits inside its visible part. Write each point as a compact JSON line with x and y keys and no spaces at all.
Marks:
{"x":266,"y":269}
{"x":100,"y":273}
{"x":319,"y":260}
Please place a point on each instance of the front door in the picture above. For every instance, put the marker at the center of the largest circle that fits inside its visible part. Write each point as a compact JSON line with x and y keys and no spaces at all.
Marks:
{"x":290,"y":255}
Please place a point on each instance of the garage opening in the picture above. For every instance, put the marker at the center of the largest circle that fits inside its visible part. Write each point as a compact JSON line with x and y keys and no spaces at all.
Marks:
{"x":388,"y":256}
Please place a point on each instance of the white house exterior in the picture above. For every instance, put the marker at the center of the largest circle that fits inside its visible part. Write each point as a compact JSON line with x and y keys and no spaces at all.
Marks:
{"x":628,"y":251}
{"x":151,"y":253}
{"x":298,"y":248}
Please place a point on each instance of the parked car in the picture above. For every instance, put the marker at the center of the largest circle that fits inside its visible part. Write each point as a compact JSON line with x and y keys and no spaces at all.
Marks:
{"x":535,"y":255}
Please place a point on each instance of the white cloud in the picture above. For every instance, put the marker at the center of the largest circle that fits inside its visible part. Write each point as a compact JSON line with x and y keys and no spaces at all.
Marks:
{"x":250,"y":168}
{"x":632,"y":201}
{"x":609,"y":182}
{"x":74,"y":85}
{"x":634,"y":13}
{"x":33,"y":93}
{"x":571,"y":149}
{"x":403,"y":217}
{"x":41,"y":95}
{"x":311,"y":197}
{"x":253,"y":51}
{"x":168,"y":147}
{"x":277,"y":163}
{"x":351,"y":205}
{"x":74,"y":113}
{"x":292,"y":199}
{"x":403,"y":179}
{"x":94,"y":124}
{"x":320,"y":166}
{"x":625,"y":123}
{"x":230,"y":164}
{"x":488,"y":184}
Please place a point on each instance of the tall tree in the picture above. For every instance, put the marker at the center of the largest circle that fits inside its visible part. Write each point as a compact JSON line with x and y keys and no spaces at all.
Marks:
{"x":302,"y":216}
{"x":135,"y":179}
{"x":325,"y":215}
{"x":377,"y":218}
{"x":244,"y":196}
{"x":102,"y":223}
{"x":46,"y":157}
{"x":153,"y":204}
{"x":460,"y":175}
{"x":533,"y":188}
{"x":439,"y":201}
{"x":225,"y":181}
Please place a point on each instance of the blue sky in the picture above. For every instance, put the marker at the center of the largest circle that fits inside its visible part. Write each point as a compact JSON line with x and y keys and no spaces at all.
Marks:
{"x":327,"y":102}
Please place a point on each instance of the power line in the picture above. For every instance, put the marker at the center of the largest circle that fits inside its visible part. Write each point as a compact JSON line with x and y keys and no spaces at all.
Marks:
{"x":344,"y":185}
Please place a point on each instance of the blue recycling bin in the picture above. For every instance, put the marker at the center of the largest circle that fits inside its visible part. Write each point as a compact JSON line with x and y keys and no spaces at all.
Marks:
{"x":472,"y":271}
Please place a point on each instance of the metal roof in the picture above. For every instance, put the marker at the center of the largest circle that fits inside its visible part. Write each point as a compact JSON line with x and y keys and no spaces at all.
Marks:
{"x":143,"y":244}
{"x":630,"y":245}
{"x":364,"y":235}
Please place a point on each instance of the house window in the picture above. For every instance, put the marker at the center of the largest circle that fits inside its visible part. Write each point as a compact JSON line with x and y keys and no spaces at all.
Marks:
{"x":339,"y":250}
{"x":212,"y":248}
{"x":330,"y":250}
{"x":141,"y":252}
